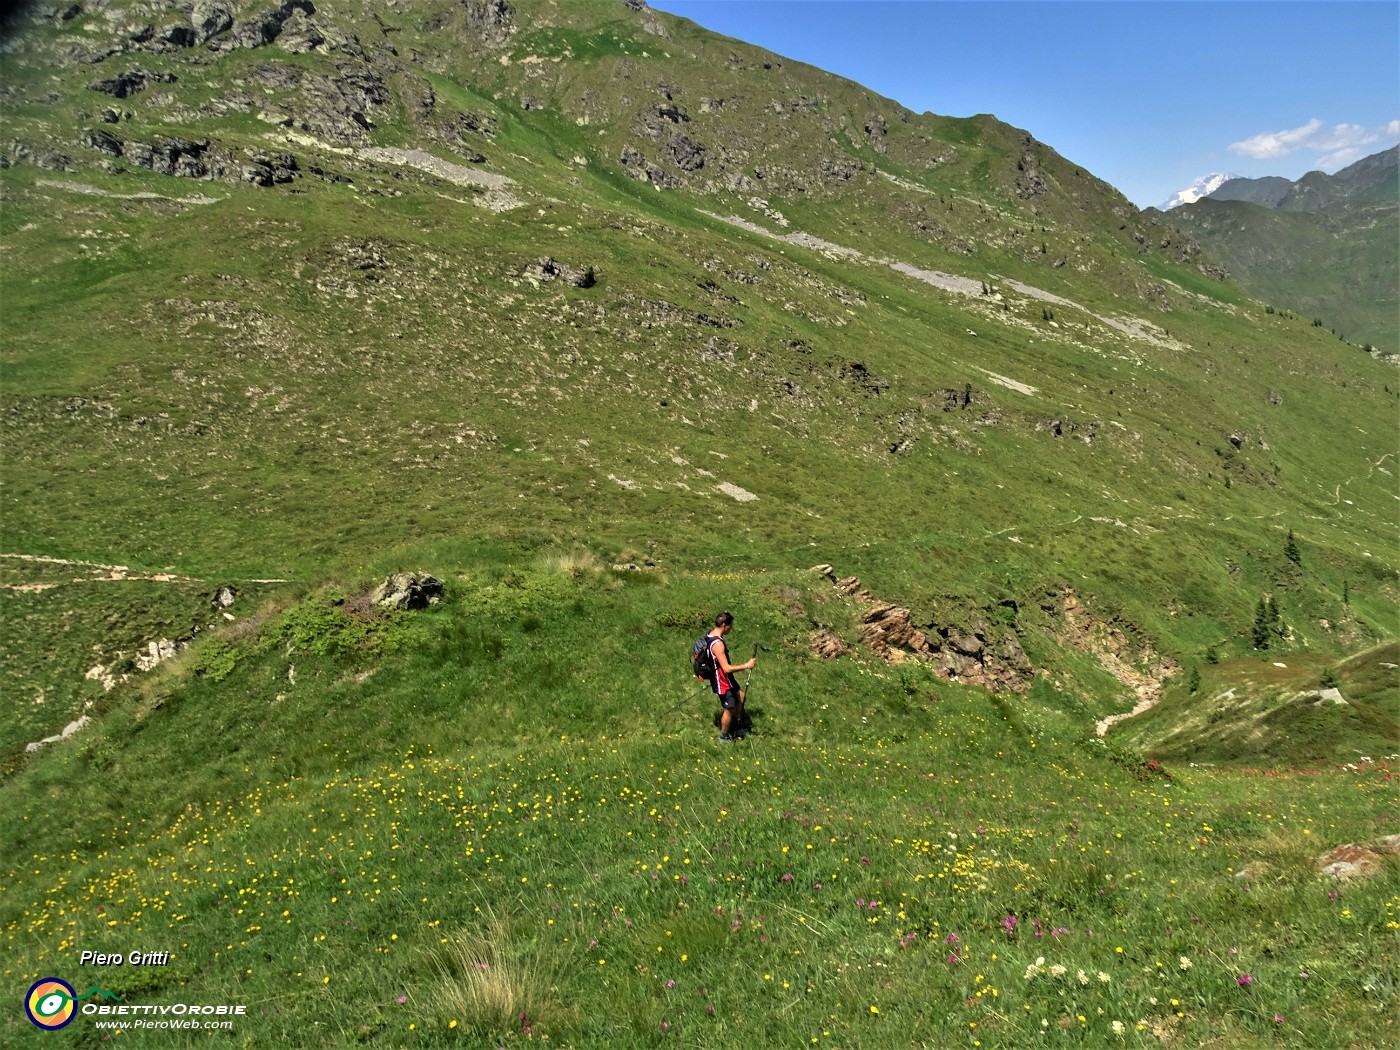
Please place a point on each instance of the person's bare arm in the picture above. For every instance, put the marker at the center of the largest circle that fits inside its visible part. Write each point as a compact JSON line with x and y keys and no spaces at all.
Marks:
{"x":722,"y":658}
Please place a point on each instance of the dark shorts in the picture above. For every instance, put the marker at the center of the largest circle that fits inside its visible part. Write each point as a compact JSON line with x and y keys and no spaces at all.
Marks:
{"x":730,"y":700}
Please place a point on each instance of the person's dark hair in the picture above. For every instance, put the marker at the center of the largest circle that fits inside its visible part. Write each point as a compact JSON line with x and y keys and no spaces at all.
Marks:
{"x":724,"y":619}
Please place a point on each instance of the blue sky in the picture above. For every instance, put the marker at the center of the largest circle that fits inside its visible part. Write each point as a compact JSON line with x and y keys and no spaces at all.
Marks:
{"x":1149,"y":96}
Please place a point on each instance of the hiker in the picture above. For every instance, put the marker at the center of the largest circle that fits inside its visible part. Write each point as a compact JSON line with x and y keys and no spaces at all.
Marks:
{"x":723,"y":680}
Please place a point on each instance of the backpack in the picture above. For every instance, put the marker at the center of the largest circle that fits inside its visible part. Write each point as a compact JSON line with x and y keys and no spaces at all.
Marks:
{"x":702,"y":660}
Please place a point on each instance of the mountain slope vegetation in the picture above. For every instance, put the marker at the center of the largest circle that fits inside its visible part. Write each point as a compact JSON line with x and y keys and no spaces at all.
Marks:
{"x":611,"y":323}
{"x":1324,"y":245}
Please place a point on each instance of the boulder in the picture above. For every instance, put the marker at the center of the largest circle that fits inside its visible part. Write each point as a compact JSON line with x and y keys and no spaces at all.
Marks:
{"x":825,"y":645}
{"x":404,"y":590}
{"x":1350,"y":862}
{"x":492,"y":20}
{"x":124,"y":85}
{"x":688,"y":154}
{"x":211,"y":17}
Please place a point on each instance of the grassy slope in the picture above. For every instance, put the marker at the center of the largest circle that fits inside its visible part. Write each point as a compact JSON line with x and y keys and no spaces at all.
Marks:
{"x":516,"y":824}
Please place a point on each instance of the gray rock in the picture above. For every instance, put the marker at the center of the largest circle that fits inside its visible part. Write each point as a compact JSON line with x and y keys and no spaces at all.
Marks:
{"x":180,"y":157}
{"x":492,"y":20}
{"x":688,"y":154}
{"x":875,"y":130}
{"x":967,"y":644}
{"x":133,"y":81}
{"x":211,"y":17}
{"x":68,"y":730}
{"x":405,"y":590}
{"x":102,"y":142}
{"x":263,"y":30}
{"x":299,"y":34}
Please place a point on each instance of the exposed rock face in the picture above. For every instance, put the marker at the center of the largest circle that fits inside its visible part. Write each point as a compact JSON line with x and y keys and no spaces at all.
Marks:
{"x":337,"y":109}
{"x":548,"y":269}
{"x":124,"y":85}
{"x":182,"y":157}
{"x":688,"y":154}
{"x":875,"y":130}
{"x":492,"y":20}
{"x":975,"y":653}
{"x":1132,"y":661}
{"x":638,"y":167}
{"x":210,"y":18}
{"x":405,"y":590}
{"x":156,"y":653}
{"x":68,"y":730}
{"x":269,"y":169}
{"x":263,"y":30}
{"x":1030,"y":182}
{"x":825,"y":645}
{"x":39,"y":156}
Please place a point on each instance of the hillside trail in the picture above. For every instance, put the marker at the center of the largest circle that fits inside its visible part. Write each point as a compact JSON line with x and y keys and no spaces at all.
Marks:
{"x":113,"y":574}
{"x":1133,"y":327}
{"x":1105,"y":724}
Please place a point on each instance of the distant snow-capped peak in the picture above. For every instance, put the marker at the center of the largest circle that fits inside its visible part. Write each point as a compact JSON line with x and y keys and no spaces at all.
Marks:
{"x":1202,"y":187}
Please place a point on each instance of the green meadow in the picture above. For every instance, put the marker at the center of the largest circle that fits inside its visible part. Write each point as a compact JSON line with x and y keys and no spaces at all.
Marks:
{"x":513,"y":825}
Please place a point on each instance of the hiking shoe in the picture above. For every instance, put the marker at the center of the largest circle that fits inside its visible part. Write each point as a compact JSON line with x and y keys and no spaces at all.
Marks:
{"x":725,"y":738}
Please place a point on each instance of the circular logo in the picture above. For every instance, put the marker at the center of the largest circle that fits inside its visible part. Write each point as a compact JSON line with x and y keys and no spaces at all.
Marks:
{"x":49,"y":1003}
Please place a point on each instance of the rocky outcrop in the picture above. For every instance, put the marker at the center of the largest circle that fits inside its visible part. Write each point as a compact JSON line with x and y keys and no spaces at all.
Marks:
{"x":548,"y":269}
{"x":133,"y":81}
{"x":1030,"y":180}
{"x":974,"y":653}
{"x":404,"y":590}
{"x":491,"y":20}
{"x":264,"y":29}
{"x":1349,"y":863}
{"x":875,"y":131}
{"x":38,"y":155}
{"x":269,"y":169}
{"x":688,"y":154}
{"x":338,"y":109}
{"x":826,"y":646}
{"x":638,"y":167}
{"x":68,"y":730}
{"x":185,"y":158}
{"x":209,"y":18}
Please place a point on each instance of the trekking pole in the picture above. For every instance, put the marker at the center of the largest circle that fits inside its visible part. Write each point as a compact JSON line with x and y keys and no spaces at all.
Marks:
{"x":757,"y":648}
{"x":687,"y":698}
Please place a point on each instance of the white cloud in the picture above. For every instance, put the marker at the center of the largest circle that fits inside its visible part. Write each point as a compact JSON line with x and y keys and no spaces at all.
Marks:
{"x":1276,"y":143}
{"x":1336,"y":146}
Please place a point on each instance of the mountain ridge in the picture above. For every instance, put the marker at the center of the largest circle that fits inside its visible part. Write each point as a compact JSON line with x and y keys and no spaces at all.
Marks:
{"x":1322,"y":244}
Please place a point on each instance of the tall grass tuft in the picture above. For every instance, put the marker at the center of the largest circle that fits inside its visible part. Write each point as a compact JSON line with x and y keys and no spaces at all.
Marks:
{"x":576,"y":562}
{"x":488,"y":983}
